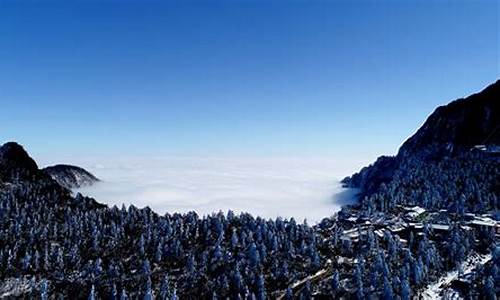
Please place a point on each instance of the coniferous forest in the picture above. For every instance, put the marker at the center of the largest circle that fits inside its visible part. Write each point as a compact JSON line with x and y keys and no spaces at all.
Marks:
{"x":426,"y":225}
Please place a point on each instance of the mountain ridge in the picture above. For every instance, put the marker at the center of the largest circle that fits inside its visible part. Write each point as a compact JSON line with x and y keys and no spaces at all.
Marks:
{"x":71,"y":176}
{"x":427,"y":221}
{"x":450,"y":130}
{"x":460,"y":124}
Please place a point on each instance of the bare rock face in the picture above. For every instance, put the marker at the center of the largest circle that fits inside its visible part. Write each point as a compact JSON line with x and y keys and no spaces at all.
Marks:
{"x":71,"y":176}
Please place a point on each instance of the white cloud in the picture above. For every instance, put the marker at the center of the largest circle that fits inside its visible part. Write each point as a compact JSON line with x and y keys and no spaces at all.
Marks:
{"x":299,"y":188}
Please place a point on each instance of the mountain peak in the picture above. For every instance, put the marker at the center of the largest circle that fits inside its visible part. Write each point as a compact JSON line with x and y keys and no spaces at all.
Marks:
{"x":70,"y":176}
{"x":14,"y":160}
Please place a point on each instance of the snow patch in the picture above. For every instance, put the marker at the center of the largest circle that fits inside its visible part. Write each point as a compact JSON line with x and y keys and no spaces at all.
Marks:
{"x":16,"y":287}
{"x":434,"y":290}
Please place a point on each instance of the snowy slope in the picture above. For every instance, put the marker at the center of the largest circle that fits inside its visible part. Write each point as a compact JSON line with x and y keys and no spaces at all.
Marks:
{"x":436,"y":289}
{"x":71,"y":176}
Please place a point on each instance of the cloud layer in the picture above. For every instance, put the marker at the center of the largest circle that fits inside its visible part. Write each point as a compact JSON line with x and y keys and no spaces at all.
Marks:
{"x":300,"y":188}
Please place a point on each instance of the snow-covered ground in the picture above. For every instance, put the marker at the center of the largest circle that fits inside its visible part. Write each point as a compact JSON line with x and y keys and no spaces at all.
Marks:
{"x":15,"y":287}
{"x":268,"y":187}
{"x":433,"y":290}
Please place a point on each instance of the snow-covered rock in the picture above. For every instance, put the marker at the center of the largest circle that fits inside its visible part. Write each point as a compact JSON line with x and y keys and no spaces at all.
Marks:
{"x":71,"y":176}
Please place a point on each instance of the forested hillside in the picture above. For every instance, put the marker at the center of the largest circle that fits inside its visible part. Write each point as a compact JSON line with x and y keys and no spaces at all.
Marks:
{"x":450,"y":132}
{"x":427,"y":224}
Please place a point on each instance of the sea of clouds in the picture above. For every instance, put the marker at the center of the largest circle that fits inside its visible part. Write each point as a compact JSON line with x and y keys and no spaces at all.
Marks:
{"x":267,"y":187}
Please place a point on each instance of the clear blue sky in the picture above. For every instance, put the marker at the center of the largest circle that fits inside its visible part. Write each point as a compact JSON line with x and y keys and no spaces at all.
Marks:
{"x":236,"y":78}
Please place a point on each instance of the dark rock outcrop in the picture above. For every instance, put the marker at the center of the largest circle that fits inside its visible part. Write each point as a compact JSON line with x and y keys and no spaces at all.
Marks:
{"x":71,"y":176}
{"x":15,"y":163}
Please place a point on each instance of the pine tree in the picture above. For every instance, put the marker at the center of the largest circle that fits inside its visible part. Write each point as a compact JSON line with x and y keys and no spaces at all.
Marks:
{"x":253,"y":255}
{"x":490,"y":289}
{"x":26,"y":261}
{"x":260,"y":285}
{"x":358,"y":280}
{"x":141,"y":245}
{"x":165,"y":288}
{"x":146,"y":267}
{"x":97,"y":267}
{"x":335,"y":281}
{"x":405,"y":290}
{"x":114,"y":293}
{"x":234,"y":240}
{"x":92,"y":295}
{"x":158,"y":254}
{"x":174,"y":295}
{"x":388,"y":294}
{"x":124,"y":295}
{"x":44,"y":290}
{"x":237,"y":279}
{"x":148,"y":295}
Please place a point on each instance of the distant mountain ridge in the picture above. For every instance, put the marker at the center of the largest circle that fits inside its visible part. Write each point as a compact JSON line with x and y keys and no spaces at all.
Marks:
{"x":450,"y":130}
{"x":16,"y":165}
{"x":70,"y":176}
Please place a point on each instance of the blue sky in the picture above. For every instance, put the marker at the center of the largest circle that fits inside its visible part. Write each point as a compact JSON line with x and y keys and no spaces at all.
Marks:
{"x":236,"y":78}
